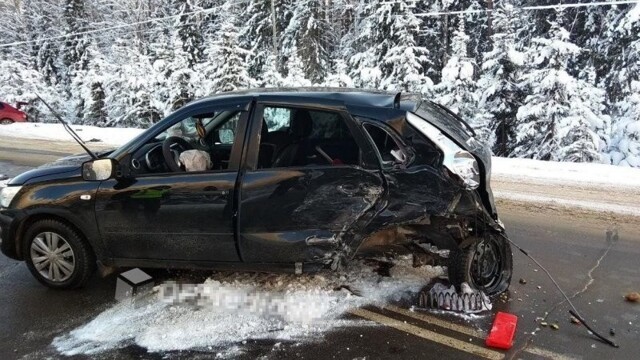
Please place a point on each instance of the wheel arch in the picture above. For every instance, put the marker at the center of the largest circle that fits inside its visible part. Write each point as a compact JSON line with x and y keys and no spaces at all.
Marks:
{"x":90,"y":237}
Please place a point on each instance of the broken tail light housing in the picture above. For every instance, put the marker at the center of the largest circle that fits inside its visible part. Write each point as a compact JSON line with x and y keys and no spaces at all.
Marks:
{"x":460,"y":163}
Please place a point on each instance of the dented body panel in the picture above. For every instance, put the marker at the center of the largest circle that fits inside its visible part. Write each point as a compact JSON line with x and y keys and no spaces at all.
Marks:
{"x":299,"y":215}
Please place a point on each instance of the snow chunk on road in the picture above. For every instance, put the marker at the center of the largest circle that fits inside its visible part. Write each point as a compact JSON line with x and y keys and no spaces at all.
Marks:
{"x":56,"y":132}
{"x":228,"y":309}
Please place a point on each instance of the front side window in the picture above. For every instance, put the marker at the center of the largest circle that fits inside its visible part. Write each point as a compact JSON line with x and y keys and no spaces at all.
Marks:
{"x":200,"y":142}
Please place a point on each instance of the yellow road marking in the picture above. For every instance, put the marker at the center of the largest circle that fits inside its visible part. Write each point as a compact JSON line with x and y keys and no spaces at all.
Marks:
{"x":547,"y":353}
{"x":435,"y":321}
{"x":427,"y":334}
{"x":469,"y":331}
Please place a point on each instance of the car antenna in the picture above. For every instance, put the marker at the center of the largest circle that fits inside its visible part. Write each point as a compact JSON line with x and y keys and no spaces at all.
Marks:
{"x":396,"y":101}
{"x":69,"y":129}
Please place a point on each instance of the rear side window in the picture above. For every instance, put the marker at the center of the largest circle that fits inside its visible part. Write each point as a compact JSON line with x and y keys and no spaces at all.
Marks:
{"x":390,"y":151}
{"x":298,"y":137}
{"x":1,"y":105}
{"x":328,"y":126}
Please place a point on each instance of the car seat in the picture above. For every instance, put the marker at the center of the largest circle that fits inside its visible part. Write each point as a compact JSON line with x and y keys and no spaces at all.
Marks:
{"x":294,"y":153}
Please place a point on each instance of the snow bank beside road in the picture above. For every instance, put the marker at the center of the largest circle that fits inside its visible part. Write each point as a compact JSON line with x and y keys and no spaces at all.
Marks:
{"x":56,"y":132}
{"x":593,"y":187}
{"x":561,"y":173}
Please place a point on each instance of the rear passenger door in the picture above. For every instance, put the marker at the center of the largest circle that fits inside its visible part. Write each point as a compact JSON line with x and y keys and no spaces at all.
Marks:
{"x":301,"y":203}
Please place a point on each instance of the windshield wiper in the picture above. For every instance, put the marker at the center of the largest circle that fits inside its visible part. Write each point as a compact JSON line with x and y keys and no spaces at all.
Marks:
{"x":69,"y":129}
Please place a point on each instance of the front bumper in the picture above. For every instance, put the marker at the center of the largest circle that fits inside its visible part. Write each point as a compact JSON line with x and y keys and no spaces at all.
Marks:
{"x":9,"y":222}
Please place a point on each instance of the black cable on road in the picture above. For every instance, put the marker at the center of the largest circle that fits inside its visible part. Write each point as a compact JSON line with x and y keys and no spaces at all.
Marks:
{"x":573,"y":310}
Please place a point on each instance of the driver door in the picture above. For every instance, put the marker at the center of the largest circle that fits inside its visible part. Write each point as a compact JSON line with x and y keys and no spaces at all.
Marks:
{"x":176,"y":216}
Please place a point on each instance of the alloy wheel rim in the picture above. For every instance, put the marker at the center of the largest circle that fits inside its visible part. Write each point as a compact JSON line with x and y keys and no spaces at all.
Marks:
{"x":52,"y":256}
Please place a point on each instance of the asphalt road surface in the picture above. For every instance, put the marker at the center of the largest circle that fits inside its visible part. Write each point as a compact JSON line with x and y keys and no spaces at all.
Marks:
{"x":571,"y":244}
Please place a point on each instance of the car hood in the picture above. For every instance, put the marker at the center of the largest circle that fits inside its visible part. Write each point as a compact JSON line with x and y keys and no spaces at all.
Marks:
{"x":62,"y":168}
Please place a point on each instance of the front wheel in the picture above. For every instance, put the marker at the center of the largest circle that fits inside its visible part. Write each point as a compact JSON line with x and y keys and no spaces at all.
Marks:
{"x":6,"y":121}
{"x":486,"y":265}
{"x":57,"y":256}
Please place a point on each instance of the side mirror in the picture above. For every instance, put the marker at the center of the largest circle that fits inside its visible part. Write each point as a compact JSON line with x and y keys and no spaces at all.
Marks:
{"x":99,"y":170}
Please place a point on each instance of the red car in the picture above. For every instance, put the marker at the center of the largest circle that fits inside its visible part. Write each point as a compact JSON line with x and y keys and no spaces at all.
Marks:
{"x":9,"y":114}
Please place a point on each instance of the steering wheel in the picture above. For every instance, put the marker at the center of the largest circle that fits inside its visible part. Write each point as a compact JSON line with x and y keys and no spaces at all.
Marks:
{"x":172,"y":147}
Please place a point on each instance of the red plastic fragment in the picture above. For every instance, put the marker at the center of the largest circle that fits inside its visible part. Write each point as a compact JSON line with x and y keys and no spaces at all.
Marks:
{"x":502,"y":331}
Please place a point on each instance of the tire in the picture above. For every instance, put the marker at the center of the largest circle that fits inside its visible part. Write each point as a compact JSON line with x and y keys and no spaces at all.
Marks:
{"x":6,"y":122}
{"x":70,"y":267}
{"x":493,"y":254}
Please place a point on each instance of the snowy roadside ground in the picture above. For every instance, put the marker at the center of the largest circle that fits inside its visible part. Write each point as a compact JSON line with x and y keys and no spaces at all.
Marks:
{"x":594,"y":187}
{"x":56,"y":132}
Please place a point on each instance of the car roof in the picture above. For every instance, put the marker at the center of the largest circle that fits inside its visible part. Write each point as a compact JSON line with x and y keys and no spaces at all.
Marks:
{"x":349,"y":96}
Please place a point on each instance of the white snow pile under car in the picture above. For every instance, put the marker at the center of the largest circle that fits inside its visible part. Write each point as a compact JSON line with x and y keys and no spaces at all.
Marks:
{"x":229,"y":309}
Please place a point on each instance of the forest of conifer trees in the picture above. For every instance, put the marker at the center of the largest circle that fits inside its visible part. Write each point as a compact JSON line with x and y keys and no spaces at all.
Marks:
{"x":537,"y":81}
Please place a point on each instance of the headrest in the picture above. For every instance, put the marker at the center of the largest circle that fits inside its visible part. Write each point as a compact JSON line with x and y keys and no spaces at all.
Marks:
{"x":301,"y":125}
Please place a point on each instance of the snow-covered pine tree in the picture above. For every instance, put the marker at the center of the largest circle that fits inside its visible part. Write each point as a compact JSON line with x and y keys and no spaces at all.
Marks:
{"x":295,"y":71}
{"x":557,"y":120}
{"x":308,"y":33}
{"x":339,"y":77}
{"x":270,"y":76}
{"x":362,"y":53}
{"x":257,"y":33}
{"x":75,"y":20}
{"x":499,"y":97}
{"x":403,"y":61}
{"x":90,"y":90}
{"x":132,"y":97}
{"x":457,"y":88}
{"x":388,"y":54}
{"x":625,"y":147}
{"x":232,"y":73}
{"x":190,"y":31}
{"x":42,"y":20}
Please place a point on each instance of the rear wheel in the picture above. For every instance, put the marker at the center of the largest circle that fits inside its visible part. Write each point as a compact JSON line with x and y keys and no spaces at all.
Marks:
{"x":6,"y":121}
{"x":486,"y":265}
{"x":57,"y":256}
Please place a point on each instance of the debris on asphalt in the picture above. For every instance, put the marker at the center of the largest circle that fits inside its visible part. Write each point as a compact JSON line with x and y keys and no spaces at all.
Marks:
{"x":544,"y":323}
{"x":632,"y":297}
{"x":443,"y":297}
{"x":523,"y":281}
{"x":503,"y":331}
{"x":575,"y":320}
{"x":612,"y":332}
{"x":555,"y":326}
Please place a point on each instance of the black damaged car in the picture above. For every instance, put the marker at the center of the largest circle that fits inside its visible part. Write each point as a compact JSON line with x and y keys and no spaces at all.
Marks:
{"x":292,"y":180}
